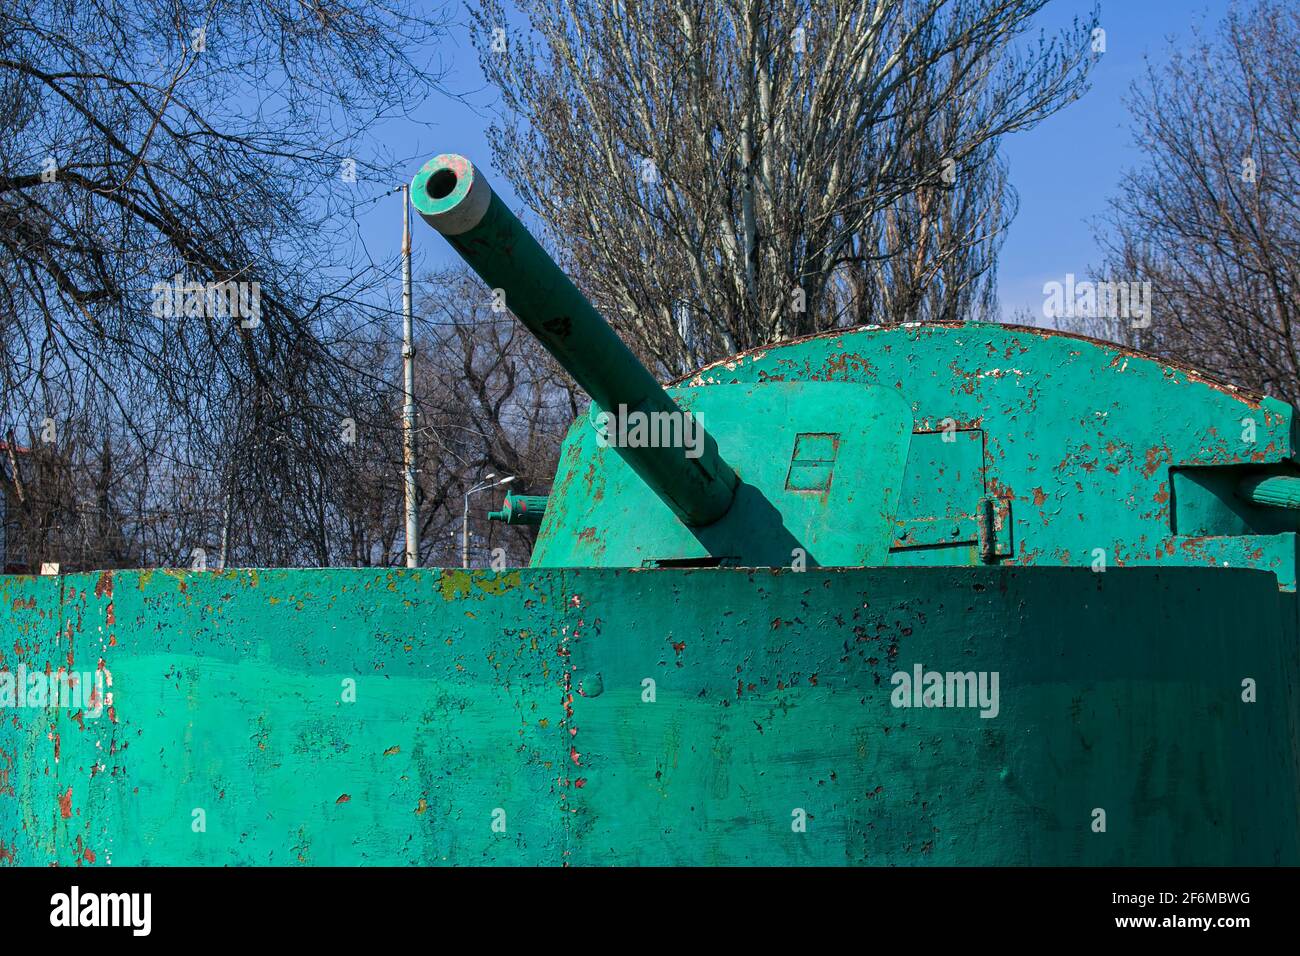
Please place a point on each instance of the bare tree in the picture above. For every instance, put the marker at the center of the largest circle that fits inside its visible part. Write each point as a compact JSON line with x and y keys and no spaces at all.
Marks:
{"x":931,"y":255}
{"x":491,"y":401}
{"x":176,"y":186}
{"x":1211,"y":219}
{"x":724,"y":173}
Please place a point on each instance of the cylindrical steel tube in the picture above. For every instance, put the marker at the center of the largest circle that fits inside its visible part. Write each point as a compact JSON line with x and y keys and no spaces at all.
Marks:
{"x":521,"y":509}
{"x":1276,"y":491}
{"x":453,"y":197}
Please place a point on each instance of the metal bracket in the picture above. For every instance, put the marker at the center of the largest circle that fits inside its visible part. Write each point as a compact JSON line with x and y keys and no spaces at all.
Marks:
{"x":994,"y":518}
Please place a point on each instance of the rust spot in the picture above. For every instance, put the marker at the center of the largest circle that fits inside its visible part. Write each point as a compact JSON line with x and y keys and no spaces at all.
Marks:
{"x":1039,"y":496}
{"x":343,"y":798}
{"x":104,"y":586}
{"x":65,"y":805}
{"x":999,"y":490}
{"x":1155,"y":456}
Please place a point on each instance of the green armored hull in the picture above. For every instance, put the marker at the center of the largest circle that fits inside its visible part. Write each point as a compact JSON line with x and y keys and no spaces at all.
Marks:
{"x":945,"y":594}
{"x":544,"y":717}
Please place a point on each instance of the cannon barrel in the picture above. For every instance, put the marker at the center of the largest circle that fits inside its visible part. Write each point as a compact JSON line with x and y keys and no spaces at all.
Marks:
{"x":520,"y":509}
{"x":1274,"y":491}
{"x":452,"y":196}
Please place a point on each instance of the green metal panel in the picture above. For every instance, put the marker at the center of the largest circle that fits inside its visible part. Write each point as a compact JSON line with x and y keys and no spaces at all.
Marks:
{"x":936,"y":523}
{"x":524,"y":699}
{"x":820,"y":468}
{"x":1081,"y":445}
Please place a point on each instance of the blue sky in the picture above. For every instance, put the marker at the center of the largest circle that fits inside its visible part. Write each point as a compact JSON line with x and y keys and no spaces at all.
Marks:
{"x":1064,"y":170}
{"x":1067,"y":167}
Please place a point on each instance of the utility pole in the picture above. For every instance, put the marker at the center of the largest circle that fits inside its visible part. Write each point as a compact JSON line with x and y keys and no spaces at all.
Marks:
{"x":408,"y":389}
{"x":225,"y":528}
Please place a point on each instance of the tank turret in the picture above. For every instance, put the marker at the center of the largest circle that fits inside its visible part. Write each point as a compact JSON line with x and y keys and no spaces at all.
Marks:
{"x":951,"y":444}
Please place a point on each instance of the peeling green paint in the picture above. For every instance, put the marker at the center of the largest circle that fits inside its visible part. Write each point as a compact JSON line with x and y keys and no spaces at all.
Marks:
{"x":771,"y":695}
{"x":1081,"y":442}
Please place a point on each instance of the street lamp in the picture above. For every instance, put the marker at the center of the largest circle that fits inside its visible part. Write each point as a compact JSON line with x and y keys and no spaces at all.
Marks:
{"x":483,"y":485}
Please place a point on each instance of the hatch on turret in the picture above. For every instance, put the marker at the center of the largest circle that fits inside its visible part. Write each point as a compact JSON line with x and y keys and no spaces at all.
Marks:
{"x":938,"y":515}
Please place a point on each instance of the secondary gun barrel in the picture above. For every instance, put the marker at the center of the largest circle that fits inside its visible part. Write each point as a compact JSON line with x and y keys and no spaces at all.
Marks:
{"x":1274,"y":491}
{"x":520,"y":509}
{"x":452,"y":196}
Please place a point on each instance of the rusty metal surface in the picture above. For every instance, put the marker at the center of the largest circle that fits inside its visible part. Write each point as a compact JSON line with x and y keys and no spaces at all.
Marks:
{"x":1076,"y":445}
{"x":661,"y":716}
{"x":810,"y":492}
